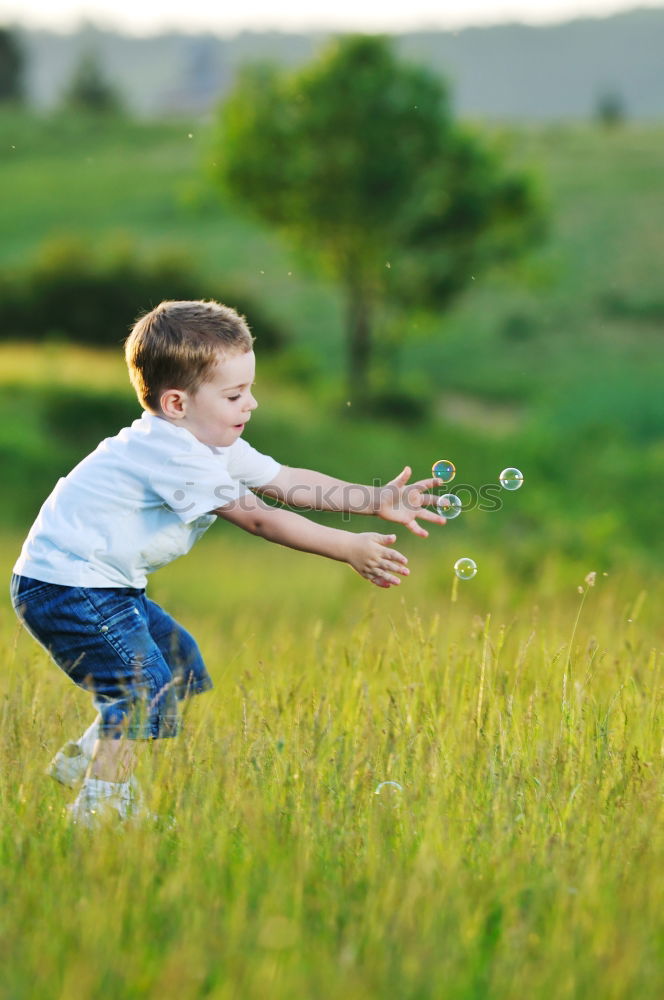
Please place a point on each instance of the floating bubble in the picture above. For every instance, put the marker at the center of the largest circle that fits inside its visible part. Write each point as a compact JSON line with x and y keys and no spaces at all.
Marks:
{"x":449,"y":506}
{"x":388,"y":784}
{"x":465,"y":568}
{"x":443,"y":470}
{"x":511,"y":479}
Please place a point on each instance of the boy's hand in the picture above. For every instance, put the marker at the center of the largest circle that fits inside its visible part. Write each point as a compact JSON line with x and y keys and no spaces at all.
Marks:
{"x":370,"y":556}
{"x":404,"y":504}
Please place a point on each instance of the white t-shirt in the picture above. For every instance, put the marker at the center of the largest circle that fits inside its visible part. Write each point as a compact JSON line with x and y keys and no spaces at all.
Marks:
{"x":136,"y":503}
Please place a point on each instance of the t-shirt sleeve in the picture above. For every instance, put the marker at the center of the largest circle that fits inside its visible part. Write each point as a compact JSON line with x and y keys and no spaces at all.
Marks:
{"x":191,"y":485}
{"x":249,"y":466}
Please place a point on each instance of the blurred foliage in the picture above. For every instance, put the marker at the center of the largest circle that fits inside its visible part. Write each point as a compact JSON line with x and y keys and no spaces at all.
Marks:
{"x":593,"y":473}
{"x":639,"y":307}
{"x":91,"y":295}
{"x":52,"y":429}
{"x":12,"y":67}
{"x":357,"y":158}
{"x":89,"y":90}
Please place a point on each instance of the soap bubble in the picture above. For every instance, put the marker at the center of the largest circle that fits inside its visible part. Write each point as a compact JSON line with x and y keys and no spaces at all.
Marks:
{"x":511,"y":479}
{"x":465,"y":568}
{"x":449,"y":506}
{"x":388,"y":784}
{"x":443,"y":470}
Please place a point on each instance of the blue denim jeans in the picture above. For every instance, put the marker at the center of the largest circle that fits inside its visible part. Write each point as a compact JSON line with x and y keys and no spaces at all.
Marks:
{"x":135,"y":659}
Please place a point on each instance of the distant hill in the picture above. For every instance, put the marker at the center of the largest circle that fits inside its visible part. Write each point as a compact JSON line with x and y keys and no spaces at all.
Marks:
{"x":509,"y":71}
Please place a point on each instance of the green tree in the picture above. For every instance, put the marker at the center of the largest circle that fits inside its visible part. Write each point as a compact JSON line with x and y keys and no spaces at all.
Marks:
{"x":89,"y":90}
{"x":610,"y":109}
{"x":357,"y":157}
{"x":12,"y":66}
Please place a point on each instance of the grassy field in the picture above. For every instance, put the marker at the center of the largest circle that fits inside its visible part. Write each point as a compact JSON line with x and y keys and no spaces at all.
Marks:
{"x":521,"y":856}
{"x":520,"y":713}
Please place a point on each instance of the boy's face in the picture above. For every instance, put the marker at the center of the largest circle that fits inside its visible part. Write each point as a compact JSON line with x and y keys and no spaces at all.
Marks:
{"x":217,"y":412}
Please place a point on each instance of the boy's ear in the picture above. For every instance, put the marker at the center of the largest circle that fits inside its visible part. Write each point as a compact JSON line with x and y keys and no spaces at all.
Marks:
{"x":173,"y":403}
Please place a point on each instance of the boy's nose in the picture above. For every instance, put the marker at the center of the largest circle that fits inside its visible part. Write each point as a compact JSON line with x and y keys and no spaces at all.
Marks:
{"x":252,"y":403}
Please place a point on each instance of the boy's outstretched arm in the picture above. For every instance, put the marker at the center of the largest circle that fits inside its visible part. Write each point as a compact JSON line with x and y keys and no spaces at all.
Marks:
{"x":395,"y":501}
{"x":368,"y":552}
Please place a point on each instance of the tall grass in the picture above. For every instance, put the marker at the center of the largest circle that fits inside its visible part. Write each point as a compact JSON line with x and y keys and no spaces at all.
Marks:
{"x":520,"y":856}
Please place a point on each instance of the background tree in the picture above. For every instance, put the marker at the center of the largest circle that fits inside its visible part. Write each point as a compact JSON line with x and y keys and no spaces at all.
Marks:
{"x":89,"y":90}
{"x":12,"y":66}
{"x":610,"y":109}
{"x":357,"y":157}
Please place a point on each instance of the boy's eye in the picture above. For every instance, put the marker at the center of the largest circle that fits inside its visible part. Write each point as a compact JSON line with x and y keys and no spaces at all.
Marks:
{"x":232,"y":398}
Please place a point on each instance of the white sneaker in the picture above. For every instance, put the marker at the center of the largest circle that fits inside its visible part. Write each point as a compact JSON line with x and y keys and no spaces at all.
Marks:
{"x":91,"y":811}
{"x":91,"y":816}
{"x":69,"y":765}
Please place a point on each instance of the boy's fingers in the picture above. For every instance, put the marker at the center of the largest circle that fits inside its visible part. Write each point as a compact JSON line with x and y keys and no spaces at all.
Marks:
{"x":428,"y":515}
{"x":417,"y":529}
{"x":399,"y":568}
{"x":395,"y":556}
{"x":430,"y":498}
{"x":387,"y":539}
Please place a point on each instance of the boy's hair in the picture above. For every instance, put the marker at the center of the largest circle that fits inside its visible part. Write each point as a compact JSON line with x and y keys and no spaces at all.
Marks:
{"x":176,"y":345}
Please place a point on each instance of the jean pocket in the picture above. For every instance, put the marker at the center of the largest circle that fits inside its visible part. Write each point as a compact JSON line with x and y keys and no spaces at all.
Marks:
{"x":127,"y":633}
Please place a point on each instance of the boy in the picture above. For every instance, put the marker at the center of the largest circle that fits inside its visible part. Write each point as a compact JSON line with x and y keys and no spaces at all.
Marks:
{"x":140,"y":500}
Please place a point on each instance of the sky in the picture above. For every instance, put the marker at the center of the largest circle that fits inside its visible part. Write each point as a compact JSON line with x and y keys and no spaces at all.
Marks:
{"x":150,"y":16}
